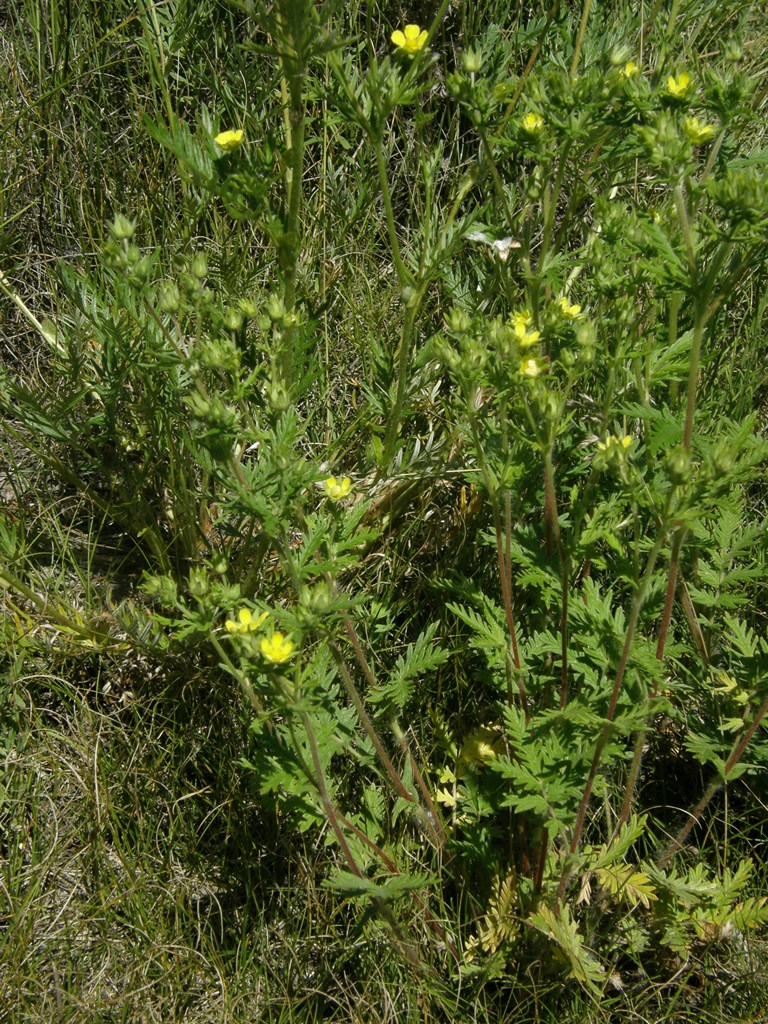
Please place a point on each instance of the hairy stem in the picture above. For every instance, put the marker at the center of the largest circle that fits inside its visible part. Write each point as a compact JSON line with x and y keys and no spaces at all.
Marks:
{"x":402,"y":356}
{"x":634,"y":616}
{"x":715,"y":785}
{"x":330,"y":810}
{"x":292,"y":245}
{"x":580,"y":37}
{"x":367,"y":725}
{"x":504,"y":570}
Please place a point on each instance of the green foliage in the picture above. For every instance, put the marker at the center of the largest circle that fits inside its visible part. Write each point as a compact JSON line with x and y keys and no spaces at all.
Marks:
{"x":421,"y":433}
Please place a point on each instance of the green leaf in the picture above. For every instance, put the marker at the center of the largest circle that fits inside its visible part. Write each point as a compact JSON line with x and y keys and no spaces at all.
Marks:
{"x":421,"y":657}
{"x":558,"y":926}
{"x":395,"y":887}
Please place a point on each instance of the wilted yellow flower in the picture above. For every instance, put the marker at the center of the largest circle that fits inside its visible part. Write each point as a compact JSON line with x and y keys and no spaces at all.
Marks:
{"x":410,"y":40}
{"x":679,"y":87}
{"x":697,"y":131}
{"x":337,"y":489}
{"x":245,"y":622}
{"x":481,"y":746}
{"x":277,"y":648}
{"x":532,"y":123}
{"x":531,"y":367}
{"x":570,"y":311}
{"x":630,"y":70}
{"x":229,"y":140}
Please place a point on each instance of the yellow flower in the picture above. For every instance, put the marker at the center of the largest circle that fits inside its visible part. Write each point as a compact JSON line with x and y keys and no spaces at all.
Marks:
{"x":521,"y":321}
{"x":696,"y":131}
{"x":337,"y":489}
{"x":229,"y":141}
{"x":277,"y":648}
{"x":614,"y":442}
{"x":630,"y":70}
{"x":245,"y":622}
{"x":571,"y":312}
{"x":532,"y":123}
{"x":679,"y":87}
{"x":531,"y":367}
{"x":410,"y":40}
{"x":527,"y":338}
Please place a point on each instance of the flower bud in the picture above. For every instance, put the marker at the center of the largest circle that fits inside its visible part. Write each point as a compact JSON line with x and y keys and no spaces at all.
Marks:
{"x":233,"y":319}
{"x":722,"y":461}
{"x":161,"y":587}
{"x":122,"y":228}
{"x":409,"y":295}
{"x":278,"y":396}
{"x":472,"y":60}
{"x":458,"y":320}
{"x":199,"y":266}
{"x":198,"y":583}
{"x":275,"y":308}
{"x":169,"y":299}
{"x":219,"y":564}
{"x":677,"y":466}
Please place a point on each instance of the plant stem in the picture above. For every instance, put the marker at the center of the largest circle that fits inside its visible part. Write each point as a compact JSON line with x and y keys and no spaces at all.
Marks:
{"x":634,"y":615}
{"x":504,"y":571}
{"x":497,"y":182}
{"x":677,"y":542}
{"x":531,"y":63}
{"x":395,"y":871}
{"x":580,"y":36}
{"x":715,"y":785}
{"x":403,"y":350}
{"x":403,"y":276}
{"x":330,"y":810}
{"x":292,"y":246}
{"x":555,"y":542}
{"x":367,"y":725}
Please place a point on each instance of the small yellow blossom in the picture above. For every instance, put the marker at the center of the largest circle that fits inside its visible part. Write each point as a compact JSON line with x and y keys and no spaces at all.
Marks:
{"x":569,"y":310}
{"x":245,"y":622}
{"x":337,"y":489}
{"x":527,"y":338}
{"x":521,"y":321}
{"x":679,"y":87}
{"x":614,"y":442}
{"x":532,"y":123}
{"x":630,"y":70}
{"x":410,"y":40}
{"x":229,"y":141}
{"x":277,"y":648}
{"x":531,"y":367}
{"x":696,"y":131}
{"x":446,"y":798}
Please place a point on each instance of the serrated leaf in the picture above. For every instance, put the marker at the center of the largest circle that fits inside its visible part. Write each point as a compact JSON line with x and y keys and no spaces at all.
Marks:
{"x":561,"y":929}
{"x":622,"y":881}
{"x":392,"y":889}
{"x":421,"y":657}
